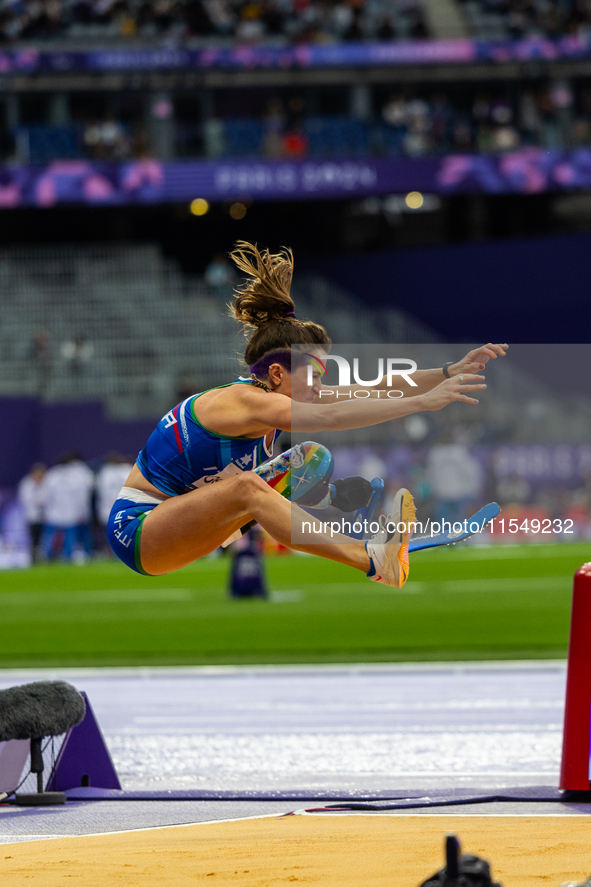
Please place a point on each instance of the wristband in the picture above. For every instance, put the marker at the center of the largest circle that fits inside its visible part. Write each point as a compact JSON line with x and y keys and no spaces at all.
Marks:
{"x":445,"y":368}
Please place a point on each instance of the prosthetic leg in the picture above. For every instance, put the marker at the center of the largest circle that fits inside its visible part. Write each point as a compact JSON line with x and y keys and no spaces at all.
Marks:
{"x":303,"y":475}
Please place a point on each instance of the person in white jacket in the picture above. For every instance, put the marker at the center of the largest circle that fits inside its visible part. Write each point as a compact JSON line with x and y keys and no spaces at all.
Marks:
{"x":83,"y":480}
{"x":68,"y":496}
{"x":31,"y":495}
{"x":455,"y":479}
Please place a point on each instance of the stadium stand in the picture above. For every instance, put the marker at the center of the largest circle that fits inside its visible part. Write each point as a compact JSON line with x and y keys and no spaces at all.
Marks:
{"x":419,"y":122}
{"x":121,"y":324}
{"x":128,"y":20}
{"x":124,"y":325}
{"x":408,"y":121}
{"x":498,"y":19}
{"x":83,"y":22}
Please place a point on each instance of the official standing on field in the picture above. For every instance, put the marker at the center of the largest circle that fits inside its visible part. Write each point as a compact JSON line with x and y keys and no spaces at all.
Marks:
{"x":82,"y":482}
{"x":68,"y":496}
{"x":31,"y":495}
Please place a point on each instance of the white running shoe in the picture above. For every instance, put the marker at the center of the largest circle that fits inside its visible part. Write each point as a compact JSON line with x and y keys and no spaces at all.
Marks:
{"x":388,"y":551}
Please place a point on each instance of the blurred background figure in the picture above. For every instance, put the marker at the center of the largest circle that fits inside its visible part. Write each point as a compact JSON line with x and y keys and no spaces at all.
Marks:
{"x":78,"y":353}
{"x":31,"y":495}
{"x":81,"y":479}
{"x":107,"y":140}
{"x":219,"y":275}
{"x":372,"y":466}
{"x":62,"y":512}
{"x":578,"y":509}
{"x":513,"y":489}
{"x":273,"y":127}
{"x":454,"y":475}
{"x":247,"y":574}
{"x":110,"y":478}
{"x":67,"y":530}
{"x":41,"y":353}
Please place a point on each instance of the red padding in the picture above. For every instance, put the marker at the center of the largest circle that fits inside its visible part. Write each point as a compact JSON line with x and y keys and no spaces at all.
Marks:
{"x":574,"y":775}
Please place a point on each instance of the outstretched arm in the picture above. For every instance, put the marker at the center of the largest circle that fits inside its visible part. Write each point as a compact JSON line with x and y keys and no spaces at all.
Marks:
{"x":426,"y":380}
{"x":255,"y":412}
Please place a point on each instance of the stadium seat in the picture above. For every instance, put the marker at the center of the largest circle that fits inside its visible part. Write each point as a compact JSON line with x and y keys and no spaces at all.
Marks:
{"x":47,"y":143}
{"x":244,"y":137}
{"x":336,"y":135}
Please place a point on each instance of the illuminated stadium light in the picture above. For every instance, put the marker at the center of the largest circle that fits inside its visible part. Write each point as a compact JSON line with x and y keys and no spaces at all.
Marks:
{"x":414,"y":200}
{"x":238,"y":210}
{"x":199,"y":206}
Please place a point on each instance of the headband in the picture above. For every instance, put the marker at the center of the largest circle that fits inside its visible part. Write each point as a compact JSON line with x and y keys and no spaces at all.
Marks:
{"x":315,"y":361}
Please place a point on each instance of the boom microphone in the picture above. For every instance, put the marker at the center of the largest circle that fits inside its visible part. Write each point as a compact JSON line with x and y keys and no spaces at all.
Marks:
{"x":44,"y":708}
{"x":32,"y":711}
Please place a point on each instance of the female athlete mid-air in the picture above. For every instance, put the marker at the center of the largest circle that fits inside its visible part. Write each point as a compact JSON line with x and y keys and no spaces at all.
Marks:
{"x":204,"y":473}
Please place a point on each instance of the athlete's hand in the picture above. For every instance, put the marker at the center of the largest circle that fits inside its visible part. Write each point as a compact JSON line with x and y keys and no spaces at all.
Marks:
{"x":457,"y":388}
{"x":477,"y":359}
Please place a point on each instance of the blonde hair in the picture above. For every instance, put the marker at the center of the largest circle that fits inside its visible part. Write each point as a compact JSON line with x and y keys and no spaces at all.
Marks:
{"x":264,"y":303}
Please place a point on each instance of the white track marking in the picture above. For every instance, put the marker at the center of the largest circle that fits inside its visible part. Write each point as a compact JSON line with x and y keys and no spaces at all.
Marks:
{"x":504,"y":552}
{"x":286,"y":596}
{"x":148,"y":828}
{"x":423,"y":816}
{"x":528,"y":583}
{"x":9,"y":676}
{"x":97,"y":596}
{"x":302,"y":812}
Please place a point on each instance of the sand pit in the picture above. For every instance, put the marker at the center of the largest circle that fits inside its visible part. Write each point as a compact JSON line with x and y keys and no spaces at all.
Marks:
{"x":335,"y":851}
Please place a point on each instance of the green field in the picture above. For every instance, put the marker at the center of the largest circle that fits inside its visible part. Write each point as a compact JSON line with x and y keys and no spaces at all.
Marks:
{"x":461,"y":603}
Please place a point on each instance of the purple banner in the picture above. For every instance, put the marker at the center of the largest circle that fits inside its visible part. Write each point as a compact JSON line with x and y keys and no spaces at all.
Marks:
{"x":366,"y":54}
{"x":44,"y":432}
{"x":560,"y":463}
{"x":527,"y":171}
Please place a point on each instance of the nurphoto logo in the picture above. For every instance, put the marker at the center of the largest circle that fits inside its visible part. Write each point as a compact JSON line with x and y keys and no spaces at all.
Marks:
{"x":395,"y":367}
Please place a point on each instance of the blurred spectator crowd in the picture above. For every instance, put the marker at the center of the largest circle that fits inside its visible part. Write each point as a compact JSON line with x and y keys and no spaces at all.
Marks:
{"x":75,"y":355}
{"x":107,"y":139}
{"x":66,"y":507}
{"x":551,"y":116}
{"x":255,"y":21}
{"x":246,"y":21}
{"x":528,"y":18}
{"x":412,"y":123}
{"x":450,"y":480}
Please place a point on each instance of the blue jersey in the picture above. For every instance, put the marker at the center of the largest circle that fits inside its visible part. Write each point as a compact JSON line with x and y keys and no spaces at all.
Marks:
{"x":182,"y":455}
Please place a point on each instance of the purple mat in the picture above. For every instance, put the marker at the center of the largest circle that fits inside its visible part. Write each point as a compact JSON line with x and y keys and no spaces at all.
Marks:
{"x":458,"y":797}
{"x":357,"y":800}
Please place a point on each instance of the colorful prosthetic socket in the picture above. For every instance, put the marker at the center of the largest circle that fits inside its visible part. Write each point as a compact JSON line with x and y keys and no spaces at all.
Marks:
{"x":301,"y":474}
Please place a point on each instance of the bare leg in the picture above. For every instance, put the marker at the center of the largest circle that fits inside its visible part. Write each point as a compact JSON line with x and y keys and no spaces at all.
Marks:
{"x":185,"y":528}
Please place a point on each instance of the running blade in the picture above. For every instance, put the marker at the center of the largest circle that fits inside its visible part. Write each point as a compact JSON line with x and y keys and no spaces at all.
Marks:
{"x":470,"y":526}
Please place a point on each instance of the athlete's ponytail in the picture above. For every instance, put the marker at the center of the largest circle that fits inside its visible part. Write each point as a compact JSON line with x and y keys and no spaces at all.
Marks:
{"x":264,"y":303}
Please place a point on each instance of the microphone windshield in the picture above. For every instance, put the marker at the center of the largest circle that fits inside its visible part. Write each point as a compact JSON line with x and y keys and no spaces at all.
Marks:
{"x":45,"y":708}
